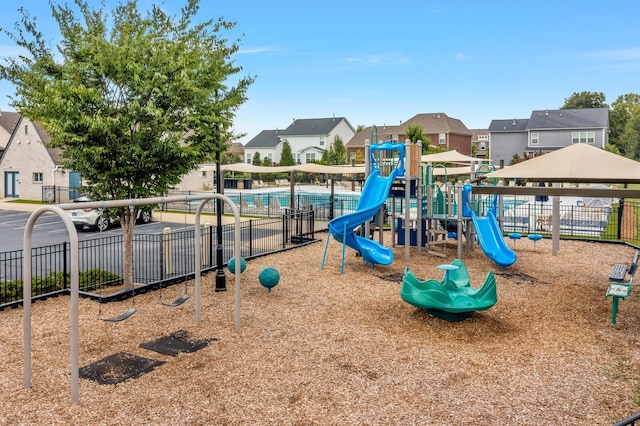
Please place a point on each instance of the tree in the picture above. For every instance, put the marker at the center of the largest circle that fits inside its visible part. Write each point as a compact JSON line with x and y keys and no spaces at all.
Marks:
{"x":256,"y":161}
{"x":630,"y":138}
{"x":286,"y":158}
{"x":585,"y":100}
{"x":415,"y":133}
{"x":134,"y":100}
{"x":336,"y":154}
{"x":266,"y":161}
{"x":621,"y":111}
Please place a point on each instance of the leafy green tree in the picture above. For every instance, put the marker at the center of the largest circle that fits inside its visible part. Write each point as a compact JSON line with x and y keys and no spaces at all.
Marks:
{"x":585,"y":100}
{"x":336,"y":154}
{"x":286,"y":158}
{"x":339,"y":151}
{"x":621,"y":111}
{"x":266,"y":161}
{"x":415,"y":133}
{"x":256,"y":160}
{"x":229,"y":158}
{"x":134,"y":100}
{"x":630,"y":138}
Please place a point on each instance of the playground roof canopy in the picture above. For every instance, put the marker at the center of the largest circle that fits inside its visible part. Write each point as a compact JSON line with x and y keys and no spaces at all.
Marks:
{"x":452,"y":156}
{"x":577,"y":163}
{"x":308,"y":167}
{"x":318,"y":168}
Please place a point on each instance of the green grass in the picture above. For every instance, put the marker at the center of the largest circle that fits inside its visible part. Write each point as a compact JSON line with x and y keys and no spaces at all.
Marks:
{"x":22,"y":201}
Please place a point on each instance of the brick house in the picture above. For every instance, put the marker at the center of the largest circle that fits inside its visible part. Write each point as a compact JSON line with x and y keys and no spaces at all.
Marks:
{"x":439,"y":129}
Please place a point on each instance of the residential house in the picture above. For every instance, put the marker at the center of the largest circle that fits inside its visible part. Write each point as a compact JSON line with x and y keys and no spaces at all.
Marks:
{"x":29,"y":164}
{"x":480,"y":143}
{"x":308,"y":139}
{"x":439,"y":130}
{"x":547,"y":130}
{"x":8,"y":122}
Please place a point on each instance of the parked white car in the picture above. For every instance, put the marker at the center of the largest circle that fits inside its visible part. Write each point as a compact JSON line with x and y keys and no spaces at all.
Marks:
{"x":93,"y":218}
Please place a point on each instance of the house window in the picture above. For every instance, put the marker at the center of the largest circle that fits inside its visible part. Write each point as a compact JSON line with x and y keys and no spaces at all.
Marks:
{"x":583,"y":137}
{"x":26,"y":129}
{"x":310,"y":156}
{"x":248,"y":158}
{"x":203,"y":173}
{"x":483,"y":137}
{"x":535,"y":138}
{"x":38,"y":177}
{"x":442,"y":139}
{"x":321,"y":141}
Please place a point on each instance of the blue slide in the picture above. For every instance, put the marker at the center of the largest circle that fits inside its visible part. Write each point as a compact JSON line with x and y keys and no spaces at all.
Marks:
{"x":491,"y":240}
{"x":342,"y":228}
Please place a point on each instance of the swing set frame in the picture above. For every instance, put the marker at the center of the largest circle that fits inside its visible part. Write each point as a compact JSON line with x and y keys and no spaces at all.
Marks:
{"x":74,"y":264}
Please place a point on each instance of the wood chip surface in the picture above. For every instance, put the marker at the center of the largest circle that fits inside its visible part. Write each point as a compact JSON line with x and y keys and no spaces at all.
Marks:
{"x":325,"y":348}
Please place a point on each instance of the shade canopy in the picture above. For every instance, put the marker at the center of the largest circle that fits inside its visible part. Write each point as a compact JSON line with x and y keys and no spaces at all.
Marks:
{"x":308,"y":168}
{"x":577,"y":163}
{"x":452,"y":156}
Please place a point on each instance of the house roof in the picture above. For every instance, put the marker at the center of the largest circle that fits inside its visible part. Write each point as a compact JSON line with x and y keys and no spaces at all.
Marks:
{"x":384,"y":134}
{"x":9,"y":120}
{"x":510,"y":125}
{"x":236,"y":148}
{"x":264,"y":139}
{"x":438,"y":122}
{"x":583,"y":118}
{"x":431,"y":123}
{"x":312,"y":126}
{"x":577,"y":163}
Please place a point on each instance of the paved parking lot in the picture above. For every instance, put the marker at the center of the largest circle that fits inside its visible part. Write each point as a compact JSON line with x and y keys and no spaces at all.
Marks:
{"x":49,"y":228}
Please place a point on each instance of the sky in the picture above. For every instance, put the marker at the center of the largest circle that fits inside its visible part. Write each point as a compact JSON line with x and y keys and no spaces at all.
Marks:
{"x":382,"y":63}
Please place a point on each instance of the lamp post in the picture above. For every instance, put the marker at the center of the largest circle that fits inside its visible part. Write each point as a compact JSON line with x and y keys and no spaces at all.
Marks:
{"x":221,"y":278}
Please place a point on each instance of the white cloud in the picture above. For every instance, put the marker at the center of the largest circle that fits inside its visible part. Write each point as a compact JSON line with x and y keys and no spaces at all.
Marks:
{"x":253,"y":50}
{"x":379,"y":59}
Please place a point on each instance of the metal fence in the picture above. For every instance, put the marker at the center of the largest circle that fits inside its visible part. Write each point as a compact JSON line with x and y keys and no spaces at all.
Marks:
{"x":615,"y":222}
{"x":273,"y":204}
{"x":159,"y":259}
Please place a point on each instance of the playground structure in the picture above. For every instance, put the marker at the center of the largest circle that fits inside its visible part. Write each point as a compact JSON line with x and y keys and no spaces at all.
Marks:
{"x":429,"y":212}
{"x":75,"y":287}
{"x":453,"y":298}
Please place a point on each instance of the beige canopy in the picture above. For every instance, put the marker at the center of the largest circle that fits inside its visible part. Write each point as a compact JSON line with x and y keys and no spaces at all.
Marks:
{"x":577,"y":163}
{"x":308,"y":168}
{"x":317,"y":168}
{"x":452,"y":156}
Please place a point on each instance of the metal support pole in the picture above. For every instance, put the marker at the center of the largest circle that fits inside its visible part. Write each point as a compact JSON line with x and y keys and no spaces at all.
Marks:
{"x":221,"y":278}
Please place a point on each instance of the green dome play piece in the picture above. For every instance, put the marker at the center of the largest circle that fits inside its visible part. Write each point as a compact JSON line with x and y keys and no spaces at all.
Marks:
{"x":232,"y":265}
{"x":269,"y":277}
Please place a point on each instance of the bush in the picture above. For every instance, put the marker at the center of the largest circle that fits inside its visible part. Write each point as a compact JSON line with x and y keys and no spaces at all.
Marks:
{"x":11,"y":291}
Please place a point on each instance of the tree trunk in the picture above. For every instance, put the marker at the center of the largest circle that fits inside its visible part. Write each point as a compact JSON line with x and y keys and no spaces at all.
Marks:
{"x":128,"y":221}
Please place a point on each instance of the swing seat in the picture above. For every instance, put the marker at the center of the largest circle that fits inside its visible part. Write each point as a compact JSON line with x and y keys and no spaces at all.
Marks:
{"x":179,"y":301}
{"x":123,"y":316}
